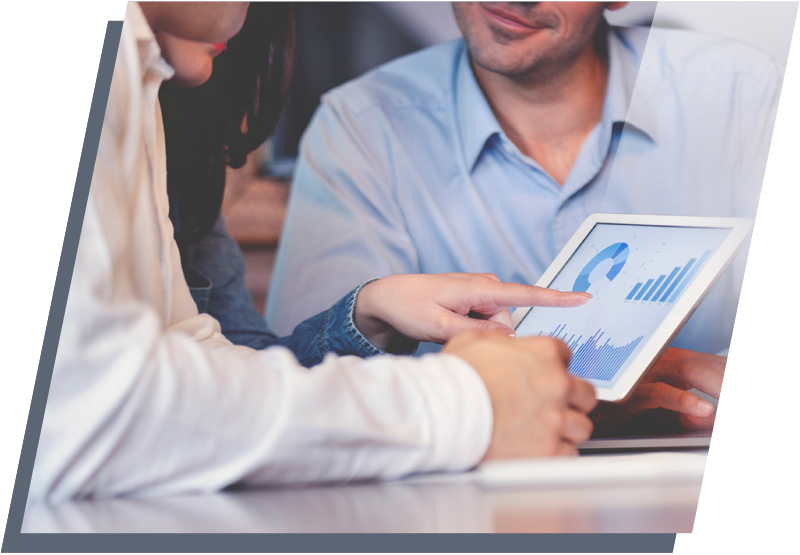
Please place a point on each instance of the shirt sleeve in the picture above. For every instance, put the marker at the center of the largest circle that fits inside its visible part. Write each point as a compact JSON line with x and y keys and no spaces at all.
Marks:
{"x":334,"y":332}
{"x":215,"y":269}
{"x":147,"y":396}
{"x":135,"y":408}
{"x":343,"y":224}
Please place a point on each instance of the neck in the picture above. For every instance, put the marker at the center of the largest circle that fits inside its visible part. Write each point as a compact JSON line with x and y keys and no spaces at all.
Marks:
{"x":549,"y":114}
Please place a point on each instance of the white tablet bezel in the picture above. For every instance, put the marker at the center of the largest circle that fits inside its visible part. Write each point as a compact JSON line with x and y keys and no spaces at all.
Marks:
{"x":683,"y":308}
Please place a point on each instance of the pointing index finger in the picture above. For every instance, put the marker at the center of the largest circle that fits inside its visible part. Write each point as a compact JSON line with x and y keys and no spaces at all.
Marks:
{"x":516,"y":294}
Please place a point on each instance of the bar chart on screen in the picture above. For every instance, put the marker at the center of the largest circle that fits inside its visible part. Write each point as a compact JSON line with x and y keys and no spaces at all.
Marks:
{"x":595,"y":356}
{"x":667,"y":288}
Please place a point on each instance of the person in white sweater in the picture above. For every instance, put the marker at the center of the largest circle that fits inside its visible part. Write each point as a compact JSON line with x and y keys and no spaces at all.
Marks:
{"x":148,"y":397}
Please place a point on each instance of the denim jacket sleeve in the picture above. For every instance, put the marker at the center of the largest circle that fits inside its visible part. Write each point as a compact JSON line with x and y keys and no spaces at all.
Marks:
{"x":214,"y":269}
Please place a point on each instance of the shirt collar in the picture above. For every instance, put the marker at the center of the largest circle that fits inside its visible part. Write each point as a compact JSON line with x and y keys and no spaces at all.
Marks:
{"x":623,"y":71}
{"x":149,"y":51}
{"x":477,"y":123}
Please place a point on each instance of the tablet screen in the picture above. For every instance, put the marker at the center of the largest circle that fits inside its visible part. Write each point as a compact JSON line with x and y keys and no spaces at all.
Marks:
{"x":636,"y":273}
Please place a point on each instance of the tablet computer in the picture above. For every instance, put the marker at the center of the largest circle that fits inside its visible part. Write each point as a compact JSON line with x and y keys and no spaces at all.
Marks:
{"x":647,"y":275}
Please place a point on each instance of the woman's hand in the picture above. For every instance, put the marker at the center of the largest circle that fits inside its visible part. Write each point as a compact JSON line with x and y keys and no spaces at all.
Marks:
{"x":437,"y":307}
{"x":538,"y":409}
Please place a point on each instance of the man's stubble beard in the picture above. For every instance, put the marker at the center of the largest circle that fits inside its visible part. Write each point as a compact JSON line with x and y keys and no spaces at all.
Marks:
{"x":539,"y":68}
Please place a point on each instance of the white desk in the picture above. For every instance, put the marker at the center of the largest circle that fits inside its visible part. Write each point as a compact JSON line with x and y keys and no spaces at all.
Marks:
{"x":665,"y":506}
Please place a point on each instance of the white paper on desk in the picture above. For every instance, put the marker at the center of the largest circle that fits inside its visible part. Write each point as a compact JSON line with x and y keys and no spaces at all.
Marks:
{"x":659,"y":467}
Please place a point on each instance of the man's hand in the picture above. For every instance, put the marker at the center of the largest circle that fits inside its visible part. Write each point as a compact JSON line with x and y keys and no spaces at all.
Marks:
{"x":434,"y":307}
{"x":661,"y":403}
{"x":538,"y":409}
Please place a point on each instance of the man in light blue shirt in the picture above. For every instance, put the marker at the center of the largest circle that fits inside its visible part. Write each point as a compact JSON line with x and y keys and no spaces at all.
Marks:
{"x":486,"y":154}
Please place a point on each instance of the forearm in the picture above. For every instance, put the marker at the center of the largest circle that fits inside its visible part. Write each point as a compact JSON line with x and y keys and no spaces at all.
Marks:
{"x":215,"y":270}
{"x":195,"y":417}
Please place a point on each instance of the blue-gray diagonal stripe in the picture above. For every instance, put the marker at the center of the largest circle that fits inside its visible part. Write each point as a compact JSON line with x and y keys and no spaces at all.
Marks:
{"x":66,"y":264}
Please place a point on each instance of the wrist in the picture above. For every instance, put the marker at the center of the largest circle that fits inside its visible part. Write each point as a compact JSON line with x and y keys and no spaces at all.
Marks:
{"x":368,"y":320}
{"x":374,"y":325}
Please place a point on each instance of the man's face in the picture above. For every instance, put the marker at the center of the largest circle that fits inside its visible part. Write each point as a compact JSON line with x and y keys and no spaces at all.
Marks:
{"x":527,"y":38}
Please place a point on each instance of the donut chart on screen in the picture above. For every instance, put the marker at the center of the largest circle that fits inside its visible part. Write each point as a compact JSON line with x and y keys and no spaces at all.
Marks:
{"x":617,"y":253}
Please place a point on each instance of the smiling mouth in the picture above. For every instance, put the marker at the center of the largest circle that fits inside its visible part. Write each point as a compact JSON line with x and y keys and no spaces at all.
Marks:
{"x":508,"y":19}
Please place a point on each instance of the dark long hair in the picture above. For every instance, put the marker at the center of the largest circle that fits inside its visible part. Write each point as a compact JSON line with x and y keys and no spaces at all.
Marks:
{"x":219,"y":123}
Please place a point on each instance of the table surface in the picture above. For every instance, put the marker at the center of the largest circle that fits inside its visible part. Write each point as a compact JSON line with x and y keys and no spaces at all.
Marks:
{"x":403,"y":506}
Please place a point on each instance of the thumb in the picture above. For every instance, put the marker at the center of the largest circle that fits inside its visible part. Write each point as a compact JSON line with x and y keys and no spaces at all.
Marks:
{"x":452,"y":324}
{"x":503,"y":317}
{"x":476,"y":324}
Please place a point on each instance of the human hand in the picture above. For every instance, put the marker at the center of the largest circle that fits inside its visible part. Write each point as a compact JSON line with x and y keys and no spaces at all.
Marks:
{"x":434,"y":307}
{"x":661,"y":402}
{"x":538,"y":409}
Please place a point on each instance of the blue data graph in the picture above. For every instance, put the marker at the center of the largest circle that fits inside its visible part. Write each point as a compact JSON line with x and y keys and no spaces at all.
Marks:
{"x":637,"y":275}
{"x":667,"y":288}
{"x":592,"y":359}
{"x":616,"y":255}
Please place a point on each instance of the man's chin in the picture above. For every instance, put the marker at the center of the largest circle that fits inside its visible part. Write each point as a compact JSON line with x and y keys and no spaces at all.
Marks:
{"x":516,"y":58}
{"x":503,"y":61}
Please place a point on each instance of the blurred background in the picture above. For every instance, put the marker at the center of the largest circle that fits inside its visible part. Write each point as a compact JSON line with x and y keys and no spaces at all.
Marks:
{"x":338,"y":41}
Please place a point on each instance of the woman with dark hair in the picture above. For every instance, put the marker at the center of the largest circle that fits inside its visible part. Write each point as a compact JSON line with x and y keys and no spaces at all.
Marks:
{"x":148,"y":397}
{"x":204,"y":132}
{"x":220,"y":122}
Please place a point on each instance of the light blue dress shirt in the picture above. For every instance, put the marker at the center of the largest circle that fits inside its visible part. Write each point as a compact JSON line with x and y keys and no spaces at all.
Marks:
{"x":406,"y":170}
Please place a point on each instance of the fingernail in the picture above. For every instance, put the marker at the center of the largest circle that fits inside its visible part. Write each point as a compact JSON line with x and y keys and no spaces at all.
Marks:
{"x":512,"y":335}
{"x":582,"y":294}
{"x":704,"y":406}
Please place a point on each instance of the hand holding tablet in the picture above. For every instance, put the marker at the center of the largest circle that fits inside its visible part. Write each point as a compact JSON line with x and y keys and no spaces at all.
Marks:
{"x":667,"y":386}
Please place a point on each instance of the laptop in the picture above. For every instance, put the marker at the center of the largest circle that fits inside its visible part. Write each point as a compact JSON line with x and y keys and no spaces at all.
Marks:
{"x":669,"y":442}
